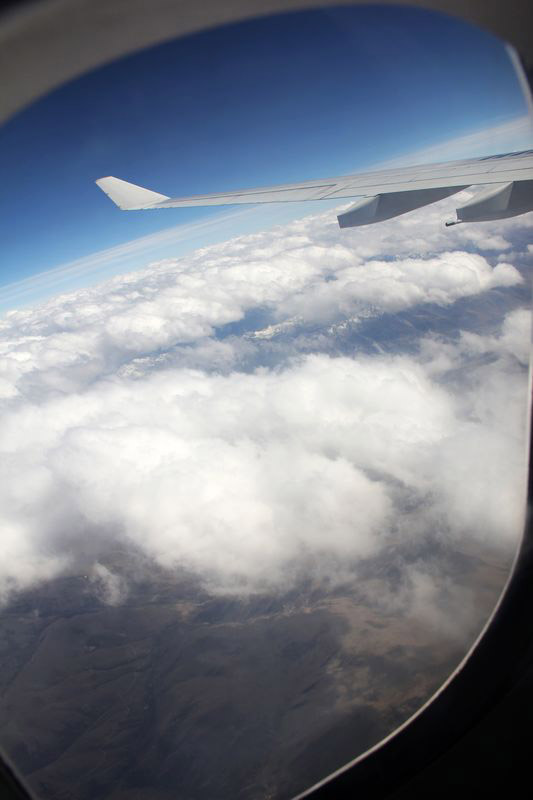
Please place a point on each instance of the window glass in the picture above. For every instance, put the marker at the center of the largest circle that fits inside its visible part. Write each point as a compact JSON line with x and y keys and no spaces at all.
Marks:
{"x":262,"y":477}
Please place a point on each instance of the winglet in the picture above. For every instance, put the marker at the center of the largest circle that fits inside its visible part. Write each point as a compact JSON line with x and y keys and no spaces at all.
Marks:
{"x":128,"y":196}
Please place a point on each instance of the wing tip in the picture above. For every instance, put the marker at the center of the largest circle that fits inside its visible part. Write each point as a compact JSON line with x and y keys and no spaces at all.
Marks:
{"x":129,"y":196}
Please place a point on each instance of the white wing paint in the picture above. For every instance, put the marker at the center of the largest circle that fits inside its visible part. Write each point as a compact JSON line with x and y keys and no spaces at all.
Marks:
{"x":385,"y":194}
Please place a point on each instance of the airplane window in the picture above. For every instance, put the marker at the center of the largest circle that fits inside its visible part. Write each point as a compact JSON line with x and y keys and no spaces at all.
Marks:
{"x":263,"y":465}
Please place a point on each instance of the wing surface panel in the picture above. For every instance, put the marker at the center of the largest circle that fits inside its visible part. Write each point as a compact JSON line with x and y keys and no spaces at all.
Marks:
{"x":495,"y":169}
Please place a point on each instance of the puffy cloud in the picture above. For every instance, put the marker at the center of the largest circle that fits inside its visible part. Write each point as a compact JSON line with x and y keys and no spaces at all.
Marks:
{"x":394,"y":285}
{"x":514,"y":340}
{"x":490,"y":446}
{"x":246,"y":479}
{"x":108,"y":586}
{"x":308,"y":268}
{"x":128,"y":413}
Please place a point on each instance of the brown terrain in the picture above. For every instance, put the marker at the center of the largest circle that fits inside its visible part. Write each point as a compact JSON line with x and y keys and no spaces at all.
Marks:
{"x":178,"y":694}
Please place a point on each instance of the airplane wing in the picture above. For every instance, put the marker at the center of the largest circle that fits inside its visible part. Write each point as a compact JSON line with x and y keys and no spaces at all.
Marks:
{"x":385,"y":193}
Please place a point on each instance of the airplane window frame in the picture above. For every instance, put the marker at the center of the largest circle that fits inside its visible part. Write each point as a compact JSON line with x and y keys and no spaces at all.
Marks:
{"x":502,"y":653}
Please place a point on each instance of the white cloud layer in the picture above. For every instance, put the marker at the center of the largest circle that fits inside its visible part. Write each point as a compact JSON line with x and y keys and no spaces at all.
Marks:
{"x":308,"y":268}
{"x":110,"y":428}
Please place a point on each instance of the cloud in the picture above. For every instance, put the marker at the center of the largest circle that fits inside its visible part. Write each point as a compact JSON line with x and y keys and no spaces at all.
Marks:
{"x":402,"y":283}
{"x":139,"y":411}
{"x":490,"y":448}
{"x":307,"y":268}
{"x":514,"y":339}
{"x":110,"y":588}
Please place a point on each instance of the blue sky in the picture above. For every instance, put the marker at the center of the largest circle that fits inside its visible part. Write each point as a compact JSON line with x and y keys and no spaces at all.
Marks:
{"x":286,"y":98}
